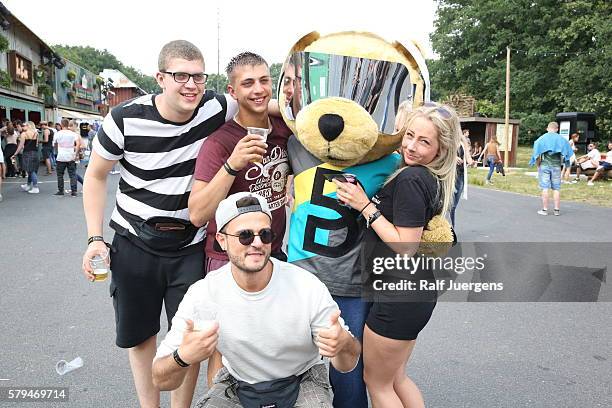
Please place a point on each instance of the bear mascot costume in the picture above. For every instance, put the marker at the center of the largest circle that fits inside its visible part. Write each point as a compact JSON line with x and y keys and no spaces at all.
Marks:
{"x":340,"y":94}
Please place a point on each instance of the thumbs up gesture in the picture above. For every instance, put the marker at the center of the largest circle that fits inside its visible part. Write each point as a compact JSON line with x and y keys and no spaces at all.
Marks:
{"x":198,"y":345}
{"x":332,"y":340}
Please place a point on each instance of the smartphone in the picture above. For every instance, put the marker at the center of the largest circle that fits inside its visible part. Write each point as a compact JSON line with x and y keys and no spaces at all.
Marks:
{"x":342,"y":177}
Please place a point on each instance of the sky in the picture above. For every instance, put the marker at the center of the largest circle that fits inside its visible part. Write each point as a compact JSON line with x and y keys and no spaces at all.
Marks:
{"x":134,"y":30}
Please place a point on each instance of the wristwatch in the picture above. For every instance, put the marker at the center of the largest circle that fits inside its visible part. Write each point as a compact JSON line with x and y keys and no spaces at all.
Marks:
{"x":178,"y":359}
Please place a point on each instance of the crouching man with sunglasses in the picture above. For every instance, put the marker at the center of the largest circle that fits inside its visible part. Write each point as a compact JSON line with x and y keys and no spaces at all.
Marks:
{"x":272,"y":321}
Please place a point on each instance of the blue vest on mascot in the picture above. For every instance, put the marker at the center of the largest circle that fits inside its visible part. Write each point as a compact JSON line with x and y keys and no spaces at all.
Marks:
{"x":325,"y":236}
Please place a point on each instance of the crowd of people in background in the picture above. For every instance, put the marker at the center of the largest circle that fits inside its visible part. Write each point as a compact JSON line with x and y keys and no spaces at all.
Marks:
{"x":25,"y":145}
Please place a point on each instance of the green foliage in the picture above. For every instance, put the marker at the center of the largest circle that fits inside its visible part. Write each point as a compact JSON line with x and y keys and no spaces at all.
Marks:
{"x":490,"y":109}
{"x":71,"y":75}
{"x":562,"y":53}
{"x":533,"y":125}
{"x":41,"y":75}
{"x":66,"y":84}
{"x":96,"y":61}
{"x":5,"y":79}
{"x":45,"y":90}
{"x":4,"y":43}
{"x":217,"y":83}
{"x":275,"y":72}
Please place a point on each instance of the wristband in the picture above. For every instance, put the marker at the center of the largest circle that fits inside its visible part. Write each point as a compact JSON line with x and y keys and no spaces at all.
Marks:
{"x":364,"y":207}
{"x":178,"y":359}
{"x":229,"y":170}
{"x":373,"y":218}
{"x":94,"y":238}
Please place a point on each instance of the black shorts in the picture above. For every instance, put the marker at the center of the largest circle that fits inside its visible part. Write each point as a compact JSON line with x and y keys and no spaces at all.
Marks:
{"x":46,"y":152}
{"x":399,"y":320}
{"x":141,"y":282}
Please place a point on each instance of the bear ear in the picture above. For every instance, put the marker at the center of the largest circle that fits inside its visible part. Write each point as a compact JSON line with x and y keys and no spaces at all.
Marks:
{"x":385,"y":145}
{"x":305,"y":41}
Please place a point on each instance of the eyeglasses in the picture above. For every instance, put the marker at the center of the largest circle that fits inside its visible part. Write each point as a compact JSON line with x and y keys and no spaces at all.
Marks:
{"x":183,"y":77}
{"x":440,"y":109}
{"x":246,"y":237}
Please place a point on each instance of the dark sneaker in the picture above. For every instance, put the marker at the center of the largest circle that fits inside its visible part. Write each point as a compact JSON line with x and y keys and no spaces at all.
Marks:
{"x":59,"y":193}
{"x":73,"y":194}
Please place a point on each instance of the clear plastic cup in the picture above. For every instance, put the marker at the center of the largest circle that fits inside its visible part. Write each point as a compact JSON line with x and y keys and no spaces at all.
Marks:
{"x":204,"y":318}
{"x":99,"y":263}
{"x":259,"y":131}
{"x":63,"y":367}
{"x":263,"y":133}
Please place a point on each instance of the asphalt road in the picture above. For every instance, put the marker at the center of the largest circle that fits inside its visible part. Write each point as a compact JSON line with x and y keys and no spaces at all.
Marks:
{"x":470,"y":354}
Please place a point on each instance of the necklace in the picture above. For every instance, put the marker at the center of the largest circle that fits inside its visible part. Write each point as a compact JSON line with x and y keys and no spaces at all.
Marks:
{"x":241,"y":125}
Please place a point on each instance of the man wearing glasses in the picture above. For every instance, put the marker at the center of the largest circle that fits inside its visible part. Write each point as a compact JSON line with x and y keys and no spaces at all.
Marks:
{"x":271,"y":320}
{"x":156,"y":252}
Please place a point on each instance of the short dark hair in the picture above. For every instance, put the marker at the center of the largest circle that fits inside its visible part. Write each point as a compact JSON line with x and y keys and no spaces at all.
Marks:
{"x":243,"y":59}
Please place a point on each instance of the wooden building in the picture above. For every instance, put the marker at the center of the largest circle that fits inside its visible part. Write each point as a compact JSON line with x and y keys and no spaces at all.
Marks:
{"x":481,"y":129}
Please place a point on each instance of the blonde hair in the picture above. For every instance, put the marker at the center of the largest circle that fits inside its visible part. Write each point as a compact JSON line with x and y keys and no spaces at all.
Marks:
{"x":403,"y":110}
{"x":444,"y":165}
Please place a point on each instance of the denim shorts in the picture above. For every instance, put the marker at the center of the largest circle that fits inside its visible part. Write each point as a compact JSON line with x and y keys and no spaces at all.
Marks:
{"x":549,"y":177}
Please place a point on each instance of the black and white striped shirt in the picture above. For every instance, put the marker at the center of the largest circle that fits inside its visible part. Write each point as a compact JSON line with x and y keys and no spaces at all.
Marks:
{"x":156,"y":157}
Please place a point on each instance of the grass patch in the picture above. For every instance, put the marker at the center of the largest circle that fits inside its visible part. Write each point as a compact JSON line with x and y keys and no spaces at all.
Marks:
{"x":518,"y":181}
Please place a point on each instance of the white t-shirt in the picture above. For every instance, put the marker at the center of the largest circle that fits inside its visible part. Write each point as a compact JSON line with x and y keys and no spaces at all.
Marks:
{"x":594,"y":155}
{"x":263,"y":335}
{"x":609,"y":156}
{"x":65,"y":140}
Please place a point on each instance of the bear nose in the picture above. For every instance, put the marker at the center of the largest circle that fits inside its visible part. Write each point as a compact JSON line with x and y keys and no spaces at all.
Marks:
{"x":330,"y":126}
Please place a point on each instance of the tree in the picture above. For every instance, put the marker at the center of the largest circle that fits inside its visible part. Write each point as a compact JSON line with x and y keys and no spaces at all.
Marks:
{"x":217,"y":83}
{"x":561,"y":54}
{"x":96,"y":61}
{"x":275,"y":70}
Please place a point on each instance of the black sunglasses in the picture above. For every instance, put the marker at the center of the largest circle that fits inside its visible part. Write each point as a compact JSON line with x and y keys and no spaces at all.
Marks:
{"x":246,"y":237}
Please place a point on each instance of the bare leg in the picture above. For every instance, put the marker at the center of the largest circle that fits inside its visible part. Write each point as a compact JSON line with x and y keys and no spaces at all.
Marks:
{"x":141,"y":360}
{"x":566,"y":174}
{"x":183,"y":395}
{"x":407,"y":390}
{"x":48,"y":164}
{"x":557,"y":198}
{"x":384,"y":361}
{"x":545,"y":199}
{"x":597,"y":174}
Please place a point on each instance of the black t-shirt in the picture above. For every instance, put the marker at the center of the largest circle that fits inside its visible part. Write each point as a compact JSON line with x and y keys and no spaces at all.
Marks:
{"x":461,"y":155}
{"x":411,"y":199}
{"x":49,"y":142}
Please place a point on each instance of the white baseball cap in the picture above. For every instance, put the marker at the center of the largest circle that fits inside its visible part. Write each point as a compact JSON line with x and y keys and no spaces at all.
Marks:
{"x":229,"y":208}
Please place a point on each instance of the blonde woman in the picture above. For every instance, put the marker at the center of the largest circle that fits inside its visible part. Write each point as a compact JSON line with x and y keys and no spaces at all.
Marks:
{"x":28,"y":143}
{"x":492,"y":156}
{"x":421,"y":188}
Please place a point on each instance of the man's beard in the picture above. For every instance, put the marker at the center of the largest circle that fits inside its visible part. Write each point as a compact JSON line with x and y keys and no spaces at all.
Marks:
{"x":240,"y":264}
